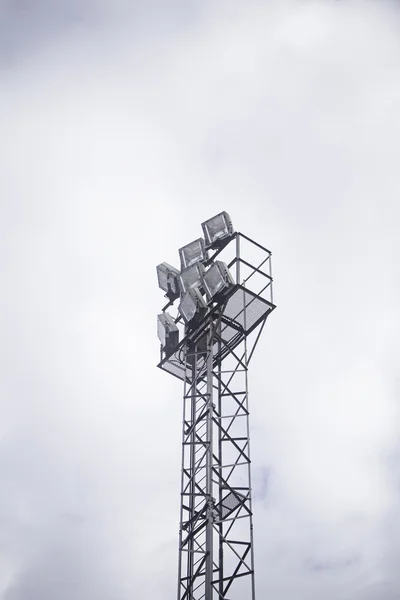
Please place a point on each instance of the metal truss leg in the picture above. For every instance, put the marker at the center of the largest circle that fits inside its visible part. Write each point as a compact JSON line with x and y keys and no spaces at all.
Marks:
{"x":216,"y":531}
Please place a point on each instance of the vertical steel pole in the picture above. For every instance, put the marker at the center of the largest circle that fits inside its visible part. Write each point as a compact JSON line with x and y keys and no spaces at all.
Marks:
{"x":182,"y":479}
{"x":220,"y":470}
{"x":253,"y":586}
{"x":238,"y":258}
{"x":192,"y":468}
{"x":209,"y":466}
{"x":270,"y":274}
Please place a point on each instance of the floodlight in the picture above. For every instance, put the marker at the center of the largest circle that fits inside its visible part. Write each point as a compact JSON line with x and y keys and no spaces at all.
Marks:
{"x":192,"y":253}
{"x":216,"y":229}
{"x":192,"y":306}
{"x":217,"y":279}
{"x":168,"y":280}
{"x":191,"y":276}
{"x":168,"y":332}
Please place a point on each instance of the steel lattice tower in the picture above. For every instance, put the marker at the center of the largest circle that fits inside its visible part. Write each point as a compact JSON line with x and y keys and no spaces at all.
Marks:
{"x":216,"y":557}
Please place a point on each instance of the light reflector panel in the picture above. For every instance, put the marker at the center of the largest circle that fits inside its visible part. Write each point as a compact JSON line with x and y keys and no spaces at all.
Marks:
{"x":168,"y":280}
{"x":217,"y":279}
{"x":192,"y":305}
{"x":167,"y":331}
{"x":192,"y":253}
{"x":217,"y":229}
{"x":191,"y":276}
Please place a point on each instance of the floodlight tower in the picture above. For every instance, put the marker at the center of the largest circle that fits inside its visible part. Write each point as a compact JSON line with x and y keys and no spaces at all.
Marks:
{"x":224,"y":289}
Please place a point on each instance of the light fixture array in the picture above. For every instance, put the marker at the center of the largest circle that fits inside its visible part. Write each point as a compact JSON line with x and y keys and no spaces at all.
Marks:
{"x":193,"y":280}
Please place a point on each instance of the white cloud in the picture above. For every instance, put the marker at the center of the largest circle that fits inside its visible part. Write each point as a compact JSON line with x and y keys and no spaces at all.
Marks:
{"x":115,"y":147}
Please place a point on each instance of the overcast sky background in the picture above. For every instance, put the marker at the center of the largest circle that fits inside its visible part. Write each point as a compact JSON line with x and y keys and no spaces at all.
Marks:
{"x":123,"y":125}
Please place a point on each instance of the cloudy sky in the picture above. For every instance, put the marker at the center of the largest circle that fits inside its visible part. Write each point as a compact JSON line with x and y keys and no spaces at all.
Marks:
{"x":123,"y":125}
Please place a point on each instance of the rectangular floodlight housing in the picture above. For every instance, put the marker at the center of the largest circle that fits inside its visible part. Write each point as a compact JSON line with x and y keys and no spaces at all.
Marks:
{"x":167,"y":331}
{"x":192,"y":253}
{"x":216,"y":279}
{"x":168,"y":280}
{"x":192,"y":306}
{"x":191,"y":276}
{"x":217,"y":229}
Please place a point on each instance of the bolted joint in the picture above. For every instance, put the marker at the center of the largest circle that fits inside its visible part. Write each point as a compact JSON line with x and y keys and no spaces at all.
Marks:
{"x":211,"y":510}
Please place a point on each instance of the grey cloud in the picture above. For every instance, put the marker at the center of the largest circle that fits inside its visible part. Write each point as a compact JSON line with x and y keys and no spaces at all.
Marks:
{"x":62,"y":572}
{"x":260,"y":483}
{"x":285,"y":115}
{"x":28,"y":28}
{"x":25,"y":26}
{"x":320,"y":565}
